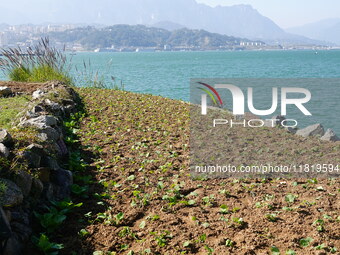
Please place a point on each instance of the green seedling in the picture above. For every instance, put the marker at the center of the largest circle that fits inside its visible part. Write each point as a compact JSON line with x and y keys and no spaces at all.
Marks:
{"x":305,"y":242}
{"x":46,"y":246}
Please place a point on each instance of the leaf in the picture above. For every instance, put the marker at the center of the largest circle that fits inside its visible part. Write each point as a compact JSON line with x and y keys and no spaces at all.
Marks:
{"x":275,"y":250}
{"x":191,"y":202}
{"x":305,"y":242}
{"x":290,"y":252}
{"x":120,"y":216}
{"x":290,"y":198}
{"x":142,"y":224}
{"x":187,"y":244}
{"x":131,"y":178}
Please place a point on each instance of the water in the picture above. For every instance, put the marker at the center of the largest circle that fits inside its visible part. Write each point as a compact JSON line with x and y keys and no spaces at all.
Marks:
{"x":168,"y":73}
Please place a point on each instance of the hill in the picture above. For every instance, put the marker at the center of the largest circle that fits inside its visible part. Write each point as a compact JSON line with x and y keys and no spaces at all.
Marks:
{"x":238,"y":20}
{"x":142,"y":36}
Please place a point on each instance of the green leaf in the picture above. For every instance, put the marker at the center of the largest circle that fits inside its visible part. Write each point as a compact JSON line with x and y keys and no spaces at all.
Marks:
{"x":305,"y":242}
{"x":275,"y":250}
{"x":142,"y":224}
{"x":191,"y":202}
{"x":187,"y":244}
{"x":290,"y":252}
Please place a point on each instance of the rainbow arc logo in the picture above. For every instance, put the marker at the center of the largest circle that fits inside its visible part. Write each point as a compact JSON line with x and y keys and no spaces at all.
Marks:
{"x":211,"y":92}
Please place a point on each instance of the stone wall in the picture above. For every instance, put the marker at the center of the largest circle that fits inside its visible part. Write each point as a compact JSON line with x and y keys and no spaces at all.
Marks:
{"x":24,"y":190}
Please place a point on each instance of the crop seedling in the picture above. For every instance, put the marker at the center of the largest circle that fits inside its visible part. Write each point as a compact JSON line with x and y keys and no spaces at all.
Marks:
{"x":51,"y":220}
{"x":275,"y":250}
{"x":229,"y":243}
{"x":208,"y":249}
{"x":48,"y":248}
{"x":272,"y":217}
{"x":239,"y":221}
{"x":290,"y":198}
{"x":305,"y":242}
{"x":319,"y":225}
{"x":162,"y":239}
{"x":290,"y":252}
{"x":224,"y":209}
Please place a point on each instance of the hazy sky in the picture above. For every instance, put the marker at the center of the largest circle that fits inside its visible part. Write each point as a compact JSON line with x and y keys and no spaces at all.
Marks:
{"x":288,"y":13}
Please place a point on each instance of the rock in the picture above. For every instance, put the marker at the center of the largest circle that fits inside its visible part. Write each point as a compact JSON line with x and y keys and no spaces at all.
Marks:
{"x":37,"y":188}
{"x":5,"y":137}
{"x":291,"y":130}
{"x":330,"y":136}
{"x":50,"y":162}
{"x":53,"y":106}
{"x":12,"y":194}
{"x":38,"y":109}
{"x":33,"y":154}
{"x":5,"y":91}
{"x":61,"y":147}
{"x":24,"y":182}
{"x":13,"y":246}
{"x":49,"y":134}
{"x":62,"y":180}
{"x":44,"y":174}
{"x":275,"y":121}
{"x":24,"y":231}
{"x":37,"y":94}
{"x":313,"y":130}
{"x":5,"y":228}
{"x":4,"y":151}
{"x":40,"y":122}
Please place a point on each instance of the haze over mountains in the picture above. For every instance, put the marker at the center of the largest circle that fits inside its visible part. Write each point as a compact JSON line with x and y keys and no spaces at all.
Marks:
{"x":240,"y":20}
{"x":328,"y":30}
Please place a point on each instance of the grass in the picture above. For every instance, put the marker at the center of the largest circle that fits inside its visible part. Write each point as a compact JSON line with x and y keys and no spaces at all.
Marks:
{"x":39,"y":74}
{"x":10,"y":108}
{"x":40,"y":63}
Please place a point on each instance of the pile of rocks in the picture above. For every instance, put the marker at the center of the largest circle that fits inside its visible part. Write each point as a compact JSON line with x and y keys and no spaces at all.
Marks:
{"x":316,"y":130}
{"x":22,"y":191}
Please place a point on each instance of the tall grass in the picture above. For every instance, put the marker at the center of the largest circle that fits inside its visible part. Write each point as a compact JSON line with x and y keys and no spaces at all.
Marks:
{"x":87,"y":77}
{"x":39,"y":63}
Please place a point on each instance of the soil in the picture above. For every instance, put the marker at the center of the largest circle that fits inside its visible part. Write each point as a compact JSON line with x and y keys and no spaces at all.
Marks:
{"x":141,"y":199}
{"x":22,"y":87}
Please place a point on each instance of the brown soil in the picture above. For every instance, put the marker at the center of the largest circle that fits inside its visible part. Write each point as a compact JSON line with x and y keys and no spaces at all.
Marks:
{"x":22,"y":87}
{"x":141,"y":169}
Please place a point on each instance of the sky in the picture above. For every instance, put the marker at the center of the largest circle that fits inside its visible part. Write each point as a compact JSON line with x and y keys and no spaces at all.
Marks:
{"x":288,"y":13}
{"x":285,"y":13}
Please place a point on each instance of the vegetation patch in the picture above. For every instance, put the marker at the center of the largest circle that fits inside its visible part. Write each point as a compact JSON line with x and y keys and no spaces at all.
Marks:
{"x":133,"y":177}
{"x":10,"y":108}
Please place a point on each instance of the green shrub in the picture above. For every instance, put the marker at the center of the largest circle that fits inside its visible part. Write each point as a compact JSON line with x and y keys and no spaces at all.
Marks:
{"x":48,"y":73}
{"x":19,"y":74}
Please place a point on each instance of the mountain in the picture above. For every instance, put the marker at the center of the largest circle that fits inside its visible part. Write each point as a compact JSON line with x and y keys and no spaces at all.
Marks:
{"x":168,"y":25}
{"x":326,"y":30}
{"x":142,"y":36}
{"x":239,"y":20}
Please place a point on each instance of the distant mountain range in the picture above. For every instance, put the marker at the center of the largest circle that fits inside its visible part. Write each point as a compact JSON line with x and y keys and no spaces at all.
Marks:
{"x":141,"y":36}
{"x":239,"y":20}
{"x":327,"y":30}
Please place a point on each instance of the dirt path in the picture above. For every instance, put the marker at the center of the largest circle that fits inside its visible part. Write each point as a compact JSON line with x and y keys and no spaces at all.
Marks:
{"x":142,"y":201}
